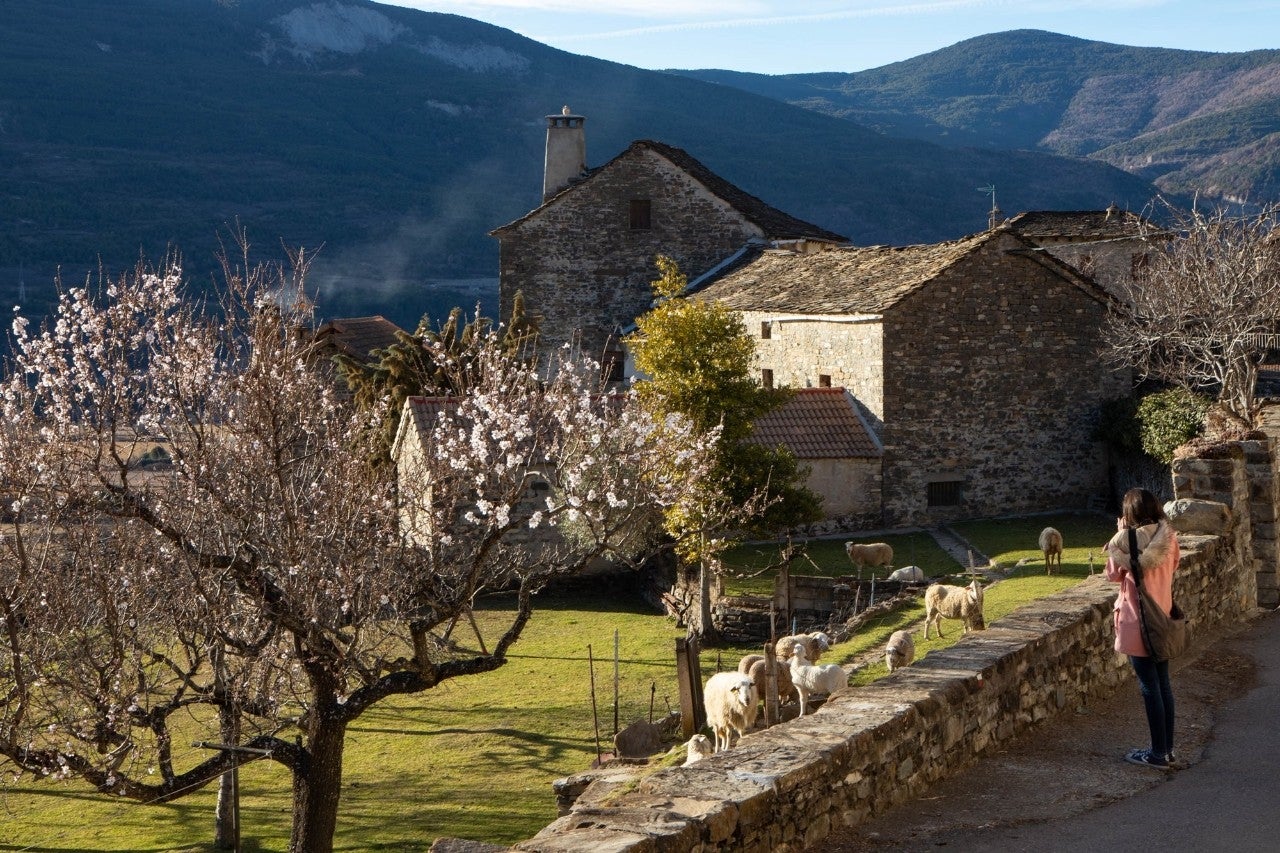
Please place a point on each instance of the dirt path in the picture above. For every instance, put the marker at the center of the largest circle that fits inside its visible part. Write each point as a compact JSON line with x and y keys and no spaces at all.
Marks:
{"x":1067,"y":766}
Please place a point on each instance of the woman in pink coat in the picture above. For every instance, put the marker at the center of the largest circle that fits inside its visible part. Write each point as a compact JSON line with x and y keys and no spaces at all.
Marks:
{"x":1158,"y":556}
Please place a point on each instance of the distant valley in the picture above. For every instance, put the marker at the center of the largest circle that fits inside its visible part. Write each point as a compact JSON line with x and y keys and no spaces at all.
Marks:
{"x":393,"y":140}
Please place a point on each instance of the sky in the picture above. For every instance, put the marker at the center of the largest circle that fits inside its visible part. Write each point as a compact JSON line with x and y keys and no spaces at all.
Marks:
{"x":779,"y":37}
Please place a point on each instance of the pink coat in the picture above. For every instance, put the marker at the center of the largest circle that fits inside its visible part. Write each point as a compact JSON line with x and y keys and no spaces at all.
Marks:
{"x":1158,"y":555}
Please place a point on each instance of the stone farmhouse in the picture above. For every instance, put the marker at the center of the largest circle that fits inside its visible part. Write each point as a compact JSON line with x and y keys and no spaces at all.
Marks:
{"x":970,"y":371}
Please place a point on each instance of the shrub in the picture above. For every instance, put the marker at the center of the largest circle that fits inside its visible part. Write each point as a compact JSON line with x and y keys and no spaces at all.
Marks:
{"x":1169,"y":419}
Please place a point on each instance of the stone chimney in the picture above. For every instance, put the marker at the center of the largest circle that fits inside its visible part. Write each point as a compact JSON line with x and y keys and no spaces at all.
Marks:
{"x":566,"y":152}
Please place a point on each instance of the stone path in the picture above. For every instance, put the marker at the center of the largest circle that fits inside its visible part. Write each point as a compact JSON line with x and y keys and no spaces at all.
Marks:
{"x":958,"y":548}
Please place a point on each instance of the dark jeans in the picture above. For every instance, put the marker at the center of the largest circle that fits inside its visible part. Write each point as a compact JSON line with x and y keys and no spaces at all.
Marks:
{"x":1157,"y":696}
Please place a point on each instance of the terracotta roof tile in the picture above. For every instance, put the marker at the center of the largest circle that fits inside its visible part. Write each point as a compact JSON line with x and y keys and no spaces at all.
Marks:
{"x":818,"y":423}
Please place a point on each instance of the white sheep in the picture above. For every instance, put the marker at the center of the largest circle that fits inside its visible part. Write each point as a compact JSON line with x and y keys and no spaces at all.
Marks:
{"x":815,"y":644}
{"x":754,"y":667}
{"x":953,"y":602}
{"x":697,"y":749}
{"x":872,"y":554}
{"x":809,"y":679}
{"x":1051,"y":545}
{"x":907,"y":574}
{"x":900,"y":651}
{"x":730,"y":699}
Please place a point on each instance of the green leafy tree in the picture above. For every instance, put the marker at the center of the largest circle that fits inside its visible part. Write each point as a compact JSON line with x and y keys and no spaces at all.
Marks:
{"x":436,"y":361}
{"x":697,"y":358}
{"x":1169,"y":419}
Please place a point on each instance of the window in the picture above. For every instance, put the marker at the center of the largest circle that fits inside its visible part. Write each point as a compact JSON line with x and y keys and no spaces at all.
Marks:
{"x":824,"y":380}
{"x":641,"y":214}
{"x":766,"y":378}
{"x":944,"y":493}
{"x":766,"y":330}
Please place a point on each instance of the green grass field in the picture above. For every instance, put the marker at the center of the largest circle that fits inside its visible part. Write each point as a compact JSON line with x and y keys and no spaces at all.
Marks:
{"x":475,"y":758}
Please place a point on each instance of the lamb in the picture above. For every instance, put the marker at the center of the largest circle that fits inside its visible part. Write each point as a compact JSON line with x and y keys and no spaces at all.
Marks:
{"x":1051,"y":545}
{"x":754,"y":666}
{"x":730,"y":699}
{"x":815,"y":644}
{"x":809,"y":679}
{"x":907,"y":574}
{"x":900,"y":651}
{"x":873,"y":554}
{"x":697,"y":749}
{"x":953,"y":602}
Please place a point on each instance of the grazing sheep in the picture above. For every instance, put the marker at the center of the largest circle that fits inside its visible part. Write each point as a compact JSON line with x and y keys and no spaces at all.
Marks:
{"x":1051,"y":545}
{"x":900,"y":651}
{"x":907,"y":574}
{"x":697,"y":749}
{"x":809,"y":679}
{"x":815,"y":644}
{"x":953,"y":602}
{"x":754,"y":666}
{"x":730,"y":699}
{"x":874,"y":554}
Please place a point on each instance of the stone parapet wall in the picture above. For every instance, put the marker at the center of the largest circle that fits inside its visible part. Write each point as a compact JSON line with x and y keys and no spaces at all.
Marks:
{"x":872,"y":747}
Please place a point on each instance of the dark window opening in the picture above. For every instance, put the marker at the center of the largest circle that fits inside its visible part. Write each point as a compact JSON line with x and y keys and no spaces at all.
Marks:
{"x":766,"y":378}
{"x":541,"y":486}
{"x":944,"y":493}
{"x":824,"y":381}
{"x":766,"y":330}
{"x":613,"y":366}
{"x":641,"y":214}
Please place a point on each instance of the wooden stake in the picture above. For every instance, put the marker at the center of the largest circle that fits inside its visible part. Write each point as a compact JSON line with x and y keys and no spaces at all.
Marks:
{"x":595,"y":718}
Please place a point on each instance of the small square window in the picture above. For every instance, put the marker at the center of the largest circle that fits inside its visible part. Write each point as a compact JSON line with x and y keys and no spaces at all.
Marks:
{"x":766,"y":330}
{"x":944,"y":493}
{"x":824,"y":380}
{"x":766,"y":378}
{"x":641,"y":214}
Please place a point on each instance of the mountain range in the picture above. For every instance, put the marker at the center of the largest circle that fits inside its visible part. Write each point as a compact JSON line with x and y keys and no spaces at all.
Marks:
{"x":394,"y":140}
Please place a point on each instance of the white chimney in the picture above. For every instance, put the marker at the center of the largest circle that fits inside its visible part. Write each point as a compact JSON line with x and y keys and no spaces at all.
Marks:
{"x":566,"y":152}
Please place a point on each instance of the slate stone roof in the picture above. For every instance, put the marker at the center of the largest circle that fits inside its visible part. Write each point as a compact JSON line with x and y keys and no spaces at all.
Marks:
{"x":844,"y":280}
{"x":818,"y":423}
{"x":775,"y":224}
{"x":358,"y":337}
{"x":1095,"y":224}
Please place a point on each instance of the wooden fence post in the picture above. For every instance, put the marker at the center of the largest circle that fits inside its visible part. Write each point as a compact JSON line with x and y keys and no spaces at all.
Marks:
{"x":689,"y":679}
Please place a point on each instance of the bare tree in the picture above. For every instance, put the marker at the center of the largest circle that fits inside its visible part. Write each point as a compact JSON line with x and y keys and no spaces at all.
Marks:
{"x":1204,"y":302}
{"x":261,"y":581}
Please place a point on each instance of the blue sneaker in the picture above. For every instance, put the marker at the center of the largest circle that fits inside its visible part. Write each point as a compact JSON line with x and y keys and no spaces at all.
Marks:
{"x":1144,"y":758}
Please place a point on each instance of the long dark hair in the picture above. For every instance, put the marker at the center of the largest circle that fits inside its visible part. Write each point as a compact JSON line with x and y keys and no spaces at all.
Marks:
{"x":1141,"y":507}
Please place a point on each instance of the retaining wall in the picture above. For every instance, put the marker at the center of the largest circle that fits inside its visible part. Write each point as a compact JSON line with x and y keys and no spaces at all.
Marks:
{"x":872,"y":747}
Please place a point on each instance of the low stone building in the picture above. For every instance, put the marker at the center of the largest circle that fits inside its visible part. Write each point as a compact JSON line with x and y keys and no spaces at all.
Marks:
{"x":584,"y":259}
{"x":977,"y":363}
{"x":1106,"y":245}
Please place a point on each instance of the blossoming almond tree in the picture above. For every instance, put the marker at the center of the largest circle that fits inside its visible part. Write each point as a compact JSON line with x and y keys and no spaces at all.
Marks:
{"x":261,"y":581}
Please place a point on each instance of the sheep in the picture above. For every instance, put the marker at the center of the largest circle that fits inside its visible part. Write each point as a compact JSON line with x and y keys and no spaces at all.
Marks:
{"x":697,"y":749}
{"x":900,"y":651}
{"x":730,"y":699}
{"x":1051,"y":545}
{"x":815,"y":644}
{"x":907,"y":574}
{"x":953,"y":602}
{"x":809,"y":679}
{"x":754,"y":666}
{"x":873,"y":554}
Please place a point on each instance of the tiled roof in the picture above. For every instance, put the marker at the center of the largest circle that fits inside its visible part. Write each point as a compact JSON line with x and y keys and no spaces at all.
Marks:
{"x":358,"y":337}
{"x":1109,"y":223}
{"x":844,"y":280}
{"x":775,"y":224}
{"x":818,"y":423}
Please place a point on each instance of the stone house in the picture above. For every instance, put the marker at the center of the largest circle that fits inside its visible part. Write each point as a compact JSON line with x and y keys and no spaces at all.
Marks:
{"x":584,"y":259}
{"x":1106,"y":245}
{"x":976,"y":362}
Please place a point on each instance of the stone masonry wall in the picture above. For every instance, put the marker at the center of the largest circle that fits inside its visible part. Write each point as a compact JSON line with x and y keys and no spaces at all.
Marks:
{"x":993,"y":378}
{"x":872,"y":747}
{"x":583,"y":268}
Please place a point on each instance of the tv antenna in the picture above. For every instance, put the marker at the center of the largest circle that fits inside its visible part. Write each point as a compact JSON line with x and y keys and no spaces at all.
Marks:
{"x":993,"y":217}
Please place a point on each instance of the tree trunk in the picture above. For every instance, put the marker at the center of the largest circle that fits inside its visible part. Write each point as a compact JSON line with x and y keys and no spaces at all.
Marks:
{"x":317,"y":785}
{"x":226,"y":834}
{"x":706,"y":627}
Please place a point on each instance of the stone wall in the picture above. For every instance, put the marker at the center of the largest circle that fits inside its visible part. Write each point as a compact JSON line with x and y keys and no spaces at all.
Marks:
{"x":850,"y":488}
{"x":994,"y":380}
{"x":872,"y":747}
{"x":1108,"y":262}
